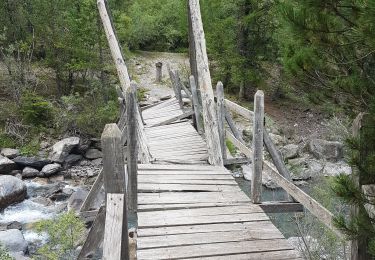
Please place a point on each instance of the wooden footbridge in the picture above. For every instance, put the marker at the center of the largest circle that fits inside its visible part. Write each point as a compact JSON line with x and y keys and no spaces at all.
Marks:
{"x":171,"y":173}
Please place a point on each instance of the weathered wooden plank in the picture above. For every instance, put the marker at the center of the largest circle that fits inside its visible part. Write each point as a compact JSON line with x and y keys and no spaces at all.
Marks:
{"x":188,"y":181}
{"x":257,"y":159}
{"x":311,"y":204}
{"x":153,"y":207}
{"x":146,"y":187}
{"x":232,"y":126}
{"x":269,"y":255}
{"x":91,"y":199}
{"x":182,"y":86}
{"x":182,"y":167}
{"x":246,"y":113}
{"x":132,"y":147}
{"x":232,"y":161}
{"x":142,"y":177}
{"x":281,"y":207}
{"x":215,"y":249}
{"x":116,"y":242}
{"x":205,"y":85}
{"x":95,"y":237}
{"x":158,"y":222}
{"x":113,"y":160}
{"x":196,"y":105}
{"x":256,"y":229}
{"x":242,"y":147}
{"x":199,"y":238}
{"x":221,"y":118}
{"x":174,"y":118}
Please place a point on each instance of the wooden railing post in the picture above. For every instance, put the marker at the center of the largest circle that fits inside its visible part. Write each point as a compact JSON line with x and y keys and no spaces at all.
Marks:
{"x":205,"y":86}
{"x":221,"y":117}
{"x":159,"y":71}
{"x":178,"y":88}
{"x":132,"y":147}
{"x":256,"y":180}
{"x":196,"y":105}
{"x":116,"y":242}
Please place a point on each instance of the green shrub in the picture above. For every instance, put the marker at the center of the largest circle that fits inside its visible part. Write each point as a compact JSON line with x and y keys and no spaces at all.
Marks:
{"x":4,"y":255}
{"x":36,"y":110}
{"x":31,"y":148}
{"x":7,"y":141}
{"x":64,"y":234}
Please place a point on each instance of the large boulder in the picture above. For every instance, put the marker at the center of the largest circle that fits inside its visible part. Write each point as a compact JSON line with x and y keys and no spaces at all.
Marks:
{"x":92,"y":154}
{"x":29,"y":172}
{"x":335,"y":169}
{"x":290,"y":151}
{"x":61,"y":149}
{"x":13,"y":240}
{"x":34,"y":162}
{"x":50,"y":169}
{"x":6,"y":165}
{"x":322,"y":149}
{"x":267,"y":181}
{"x":12,"y":190}
{"x":10,"y":153}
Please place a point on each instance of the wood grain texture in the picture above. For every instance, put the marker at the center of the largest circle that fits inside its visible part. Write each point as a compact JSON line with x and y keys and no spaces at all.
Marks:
{"x":257,"y":159}
{"x":116,"y":242}
{"x":221,"y":118}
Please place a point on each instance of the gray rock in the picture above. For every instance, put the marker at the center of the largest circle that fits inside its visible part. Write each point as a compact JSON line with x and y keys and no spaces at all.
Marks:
{"x":166,"y":97}
{"x":290,"y":151}
{"x":13,"y":240}
{"x":72,"y":159}
{"x":76,"y":200}
{"x":61,"y":149}
{"x":97,"y":162}
{"x":267,"y":181}
{"x":6,"y":165}
{"x":92,"y":154}
{"x":10,"y":225}
{"x":335,"y":169}
{"x":29,"y":172}
{"x":96,"y":143}
{"x":15,"y":172}
{"x":277,"y":139}
{"x":34,"y":162}
{"x":43,"y":201}
{"x":19,"y":256}
{"x":322,"y":149}
{"x":306,"y":170}
{"x":12,"y":190}
{"x":10,"y":153}
{"x":50,"y":169}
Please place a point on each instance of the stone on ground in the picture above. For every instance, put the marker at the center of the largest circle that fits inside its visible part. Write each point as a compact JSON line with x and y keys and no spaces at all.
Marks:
{"x":13,"y":240}
{"x":29,"y":172}
{"x":267,"y":181}
{"x":290,"y":151}
{"x":10,"y":153}
{"x":335,"y":169}
{"x":322,"y":149}
{"x":61,"y":149}
{"x":76,"y":200}
{"x":12,"y":190}
{"x":92,"y":154}
{"x":50,"y":169}
{"x":6,"y":165}
{"x":34,"y":162}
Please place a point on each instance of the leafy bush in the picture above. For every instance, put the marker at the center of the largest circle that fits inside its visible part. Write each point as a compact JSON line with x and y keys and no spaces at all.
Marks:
{"x":36,"y":110}
{"x":64,"y":234}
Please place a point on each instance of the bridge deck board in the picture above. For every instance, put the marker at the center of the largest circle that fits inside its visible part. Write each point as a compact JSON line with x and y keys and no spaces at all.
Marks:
{"x":194,"y":210}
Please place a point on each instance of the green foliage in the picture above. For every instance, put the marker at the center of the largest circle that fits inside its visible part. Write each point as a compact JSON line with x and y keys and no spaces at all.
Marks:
{"x":4,"y":255}
{"x":64,"y":235}
{"x":231,"y":147}
{"x":36,"y":110}
{"x":31,"y":148}
{"x":6,"y":141}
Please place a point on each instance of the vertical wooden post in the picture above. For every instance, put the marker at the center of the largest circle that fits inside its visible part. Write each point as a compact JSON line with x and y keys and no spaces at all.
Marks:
{"x":178,"y":88}
{"x":258,"y":128}
{"x":205,"y":86}
{"x":159,"y":72}
{"x":172,"y":78}
{"x":116,"y":242}
{"x":192,"y":56}
{"x":196,"y":105}
{"x":221,"y":117}
{"x":132,"y":147}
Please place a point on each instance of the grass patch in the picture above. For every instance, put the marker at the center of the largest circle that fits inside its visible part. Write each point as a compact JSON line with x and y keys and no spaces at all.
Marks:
{"x":231,"y":147}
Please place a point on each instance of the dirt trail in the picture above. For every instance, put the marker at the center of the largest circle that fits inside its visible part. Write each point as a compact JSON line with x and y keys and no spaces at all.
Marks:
{"x":291,"y":119}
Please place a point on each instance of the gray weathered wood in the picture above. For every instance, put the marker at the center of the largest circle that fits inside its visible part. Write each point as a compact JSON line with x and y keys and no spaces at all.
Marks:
{"x":232,"y":126}
{"x":232,"y":161}
{"x":177,"y":84}
{"x":91,"y":199}
{"x":113,"y":160}
{"x":239,"y":145}
{"x":239,"y":109}
{"x":176,"y":118}
{"x":114,"y":46}
{"x":192,"y":54}
{"x":182,"y":86}
{"x":281,"y":207}
{"x":256,"y":180}
{"x":132,"y":147}
{"x":196,"y":105}
{"x":116,"y":241}
{"x":159,"y":72}
{"x":312,"y":205}
{"x":172,"y":78}
{"x":95,"y":237}
{"x":205,"y":86}
{"x":221,"y":117}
